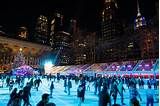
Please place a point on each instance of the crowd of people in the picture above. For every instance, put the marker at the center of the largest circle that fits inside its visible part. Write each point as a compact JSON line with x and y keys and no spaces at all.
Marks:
{"x":106,"y":88}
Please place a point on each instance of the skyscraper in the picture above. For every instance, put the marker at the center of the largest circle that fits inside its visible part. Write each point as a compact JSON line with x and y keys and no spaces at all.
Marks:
{"x":62,"y":48}
{"x":111,"y":29}
{"x":145,"y":35}
{"x":58,"y":22}
{"x":56,"y":25}
{"x":60,"y":40}
{"x":73,"y":26}
{"x":84,"y":47}
{"x":41,"y":33}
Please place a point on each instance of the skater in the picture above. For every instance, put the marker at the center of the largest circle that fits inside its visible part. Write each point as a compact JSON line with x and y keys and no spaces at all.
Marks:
{"x":133,"y":95}
{"x":83,"y":82}
{"x":104,"y":98}
{"x":12,"y":95}
{"x":37,"y":83}
{"x":69,"y":86}
{"x":17,"y":99}
{"x":150,"y":94}
{"x":114,"y":91}
{"x":11,"y":83}
{"x":80,"y":94}
{"x":99,"y":85}
{"x":44,"y":101}
{"x":95,"y":86}
{"x":88,"y":85}
{"x":7,"y":80}
{"x":121,"y":90}
{"x":26,"y":94}
{"x":51,"y":89}
{"x":65,"y":85}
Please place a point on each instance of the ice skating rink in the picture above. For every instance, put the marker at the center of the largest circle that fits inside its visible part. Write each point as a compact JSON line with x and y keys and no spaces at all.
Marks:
{"x":60,"y":98}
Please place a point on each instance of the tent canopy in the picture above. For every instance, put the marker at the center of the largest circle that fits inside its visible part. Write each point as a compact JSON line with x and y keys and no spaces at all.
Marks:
{"x":24,"y":70}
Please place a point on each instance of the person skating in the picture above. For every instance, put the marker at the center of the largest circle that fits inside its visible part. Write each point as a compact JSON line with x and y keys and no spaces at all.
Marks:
{"x":80,"y":94}
{"x":83,"y":82}
{"x":95,"y":86}
{"x":12,"y":95}
{"x":150,"y":96}
{"x":7,"y":80}
{"x":45,"y":101}
{"x":26,"y":94}
{"x":121,"y":90}
{"x":88,"y":85}
{"x":38,"y":81}
{"x":17,"y":99}
{"x":51,"y":89}
{"x":114,"y":91}
{"x":133,"y":95}
{"x":99,"y":85}
{"x":104,"y":97}
{"x":65,"y":85}
{"x":11,"y":83}
{"x":69,"y":86}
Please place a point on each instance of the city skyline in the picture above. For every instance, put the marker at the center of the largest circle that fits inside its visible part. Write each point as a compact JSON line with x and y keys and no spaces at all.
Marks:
{"x":87,"y":12}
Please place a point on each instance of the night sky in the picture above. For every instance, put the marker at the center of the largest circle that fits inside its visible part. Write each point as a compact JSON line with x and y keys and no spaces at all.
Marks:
{"x":25,"y":12}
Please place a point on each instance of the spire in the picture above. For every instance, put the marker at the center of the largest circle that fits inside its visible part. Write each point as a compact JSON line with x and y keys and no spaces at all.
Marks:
{"x":114,"y":1}
{"x":140,"y":20}
{"x":138,"y":9}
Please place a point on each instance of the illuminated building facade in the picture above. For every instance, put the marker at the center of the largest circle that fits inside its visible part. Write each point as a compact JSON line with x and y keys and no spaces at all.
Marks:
{"x":111,"y":29}
{"x":84,"y":47}
{"x":23,"y":33}
{"x":60,"y":41}
{"x":10,"y":47}
{"x":58,"y":17}
{"x":147,"y":37}
{"x":131,"y":49}
{"x":56,"y":25}
{"x":42,"y":34}
{"x":62,"y":48}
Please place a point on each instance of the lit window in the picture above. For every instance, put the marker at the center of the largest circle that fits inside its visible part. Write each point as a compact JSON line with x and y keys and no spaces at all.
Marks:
{"x":137,"y":25}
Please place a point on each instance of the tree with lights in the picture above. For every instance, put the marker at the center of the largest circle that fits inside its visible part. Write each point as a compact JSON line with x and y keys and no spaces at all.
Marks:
{"x":19,"y":59}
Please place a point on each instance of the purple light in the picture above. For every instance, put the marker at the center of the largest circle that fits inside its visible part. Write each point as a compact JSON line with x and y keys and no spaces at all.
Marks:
{"x":113,"y":66}
{"x":24,"y":70}
{"x":129,"y":66}
{"x":147,"y":65}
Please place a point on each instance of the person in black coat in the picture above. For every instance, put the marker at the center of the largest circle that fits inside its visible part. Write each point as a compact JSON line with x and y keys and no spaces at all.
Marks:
{"x":80,"y":94}
{"x":45,"y":101}
{"x":26,"y":94}
{"x":83,"y":83}
{"x":114,"y":91}
{"x":104,"y":97}
{"x":12,"y":96}
{"x":17,"y":99}
{"x":65,"y":85}
{"x":38,"y":81}
{"x":51,"y":89}
{"x":69,"y":86}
